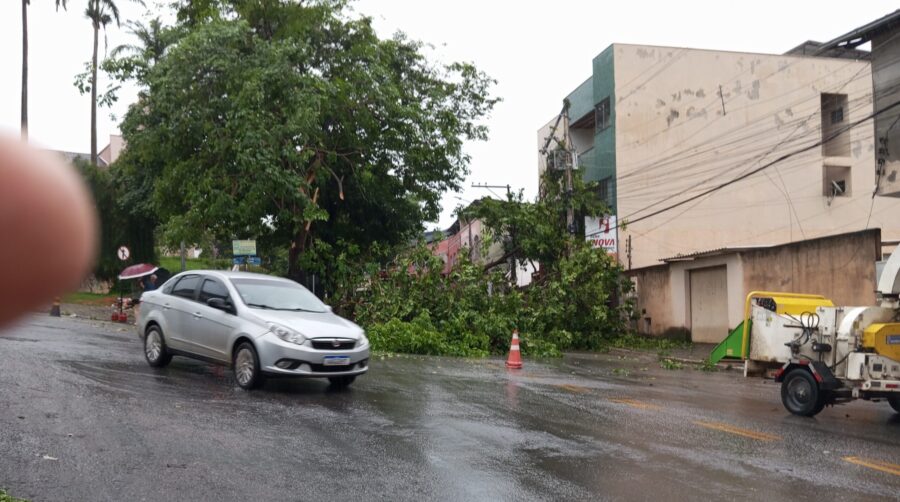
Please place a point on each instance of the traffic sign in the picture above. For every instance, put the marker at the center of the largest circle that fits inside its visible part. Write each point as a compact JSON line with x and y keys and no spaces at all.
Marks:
{"x":254,"y":260}
{"x":123,"y":253}
{"x":238,"y":260}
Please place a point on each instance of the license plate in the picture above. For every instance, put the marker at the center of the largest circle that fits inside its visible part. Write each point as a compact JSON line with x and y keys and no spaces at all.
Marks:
{"x":336,"y":360}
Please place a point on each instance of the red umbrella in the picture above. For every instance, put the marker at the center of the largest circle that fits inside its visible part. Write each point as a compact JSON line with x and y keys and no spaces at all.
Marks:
{"x":139,"y":270}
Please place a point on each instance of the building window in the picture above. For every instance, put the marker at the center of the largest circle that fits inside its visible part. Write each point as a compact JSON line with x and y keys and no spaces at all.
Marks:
{"x":601,"y":114}
{"x":836,"y":181}
{"x":603,"y":190}
{"x":835,"y":139}
{"x":837,"y":116}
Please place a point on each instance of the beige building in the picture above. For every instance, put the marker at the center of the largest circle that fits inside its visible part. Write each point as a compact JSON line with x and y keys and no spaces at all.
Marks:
{"x":730,"y":172}
{"x":113,"y":149}
{"x":662,"y":128}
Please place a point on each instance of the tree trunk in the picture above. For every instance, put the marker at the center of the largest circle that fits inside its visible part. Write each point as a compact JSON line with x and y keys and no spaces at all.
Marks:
{"x":24,"y":70}
{"x":94,"y":98}
{"x":298,"y":246}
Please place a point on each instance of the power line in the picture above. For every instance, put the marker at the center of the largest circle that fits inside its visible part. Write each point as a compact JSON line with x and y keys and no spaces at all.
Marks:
{"x":747,"y":174}
{"x":685,"y":179}
{"x":716,"y":146}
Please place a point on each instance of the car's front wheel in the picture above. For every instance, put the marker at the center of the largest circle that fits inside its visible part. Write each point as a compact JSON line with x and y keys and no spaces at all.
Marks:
{"x":155,"y":348}
{"x":341,"y":382}
{"x":246,"y":367}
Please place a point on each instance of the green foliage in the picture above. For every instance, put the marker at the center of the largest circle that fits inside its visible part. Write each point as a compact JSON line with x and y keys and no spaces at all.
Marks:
{"x":5,"y":497}
{"x":473,"y":312}
{"x":579,"y":302}
{"x":638,"y":342}
{"x":173,"y":263}
{"x":537,"y":230}
{"x":419,"y":336}
{"x":118,"y":225}
{"x":708,"y":366}
{"x":581,"y":295}
{"x":457,"y":313}
{"x":670,"y":364}
{"x":295,"y":124}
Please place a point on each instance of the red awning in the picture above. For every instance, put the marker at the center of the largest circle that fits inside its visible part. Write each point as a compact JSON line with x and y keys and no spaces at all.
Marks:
{"x":139,"y":270}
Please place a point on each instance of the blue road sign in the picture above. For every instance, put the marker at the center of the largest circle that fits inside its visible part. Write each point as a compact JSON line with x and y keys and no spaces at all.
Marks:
{"x":254,"y":260}
{"x":238,"y":260}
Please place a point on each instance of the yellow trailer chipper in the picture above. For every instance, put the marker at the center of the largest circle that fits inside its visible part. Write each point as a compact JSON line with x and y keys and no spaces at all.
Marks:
{"x":823,"y":354}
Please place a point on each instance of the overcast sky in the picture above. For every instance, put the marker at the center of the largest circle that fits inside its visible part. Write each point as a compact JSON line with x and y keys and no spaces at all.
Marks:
{"x":538,"y":52}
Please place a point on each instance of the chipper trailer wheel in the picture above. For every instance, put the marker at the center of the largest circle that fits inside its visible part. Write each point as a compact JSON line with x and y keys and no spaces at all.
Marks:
{"x":895,"y":403}
{"x":800,"y":393}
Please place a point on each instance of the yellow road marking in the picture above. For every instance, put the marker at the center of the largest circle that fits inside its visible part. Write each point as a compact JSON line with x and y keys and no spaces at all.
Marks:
{"x":875,"y":464}
{"x":636,"y":404}
{"x":761,"y":436}
{"x":577,"y":389}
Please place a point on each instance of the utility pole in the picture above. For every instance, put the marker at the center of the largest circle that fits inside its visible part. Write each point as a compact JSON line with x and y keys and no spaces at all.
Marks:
{"x":512,"y":230}
{"x":570,"y":161}
{"x":628,"y":251}
{"x":565,"y":146}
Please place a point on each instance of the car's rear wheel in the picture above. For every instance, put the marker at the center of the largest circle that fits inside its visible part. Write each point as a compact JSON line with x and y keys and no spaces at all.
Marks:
{"x":155,"y":348}
{"x":247,"y":372}
{"x":341,"y":382}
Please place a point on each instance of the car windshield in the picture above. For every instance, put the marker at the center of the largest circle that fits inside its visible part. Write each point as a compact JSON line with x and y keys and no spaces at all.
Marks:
{"x":277,"y":295}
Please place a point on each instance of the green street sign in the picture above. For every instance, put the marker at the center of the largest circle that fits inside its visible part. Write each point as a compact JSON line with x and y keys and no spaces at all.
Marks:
{"x":244,"y":248}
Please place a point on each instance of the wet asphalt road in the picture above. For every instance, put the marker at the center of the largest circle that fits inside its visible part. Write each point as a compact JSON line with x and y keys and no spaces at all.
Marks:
{"x":592,"y":427}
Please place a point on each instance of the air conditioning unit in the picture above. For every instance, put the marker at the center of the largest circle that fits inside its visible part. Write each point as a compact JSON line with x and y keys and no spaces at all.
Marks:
{"x":560,"y":160}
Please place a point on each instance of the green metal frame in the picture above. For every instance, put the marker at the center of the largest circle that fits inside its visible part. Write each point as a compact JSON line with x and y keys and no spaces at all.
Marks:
{"x":732,"y":345}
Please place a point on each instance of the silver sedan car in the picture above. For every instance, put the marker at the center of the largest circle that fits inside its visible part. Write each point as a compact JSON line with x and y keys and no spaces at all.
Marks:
{"x":259,"y":325}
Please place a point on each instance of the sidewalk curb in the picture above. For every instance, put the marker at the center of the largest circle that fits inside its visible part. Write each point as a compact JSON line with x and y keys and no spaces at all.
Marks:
{"x":683,"y":360}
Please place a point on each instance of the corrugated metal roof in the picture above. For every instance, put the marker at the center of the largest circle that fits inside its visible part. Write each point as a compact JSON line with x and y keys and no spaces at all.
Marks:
{"x":711,"y":252}
{"x":864,"y":33}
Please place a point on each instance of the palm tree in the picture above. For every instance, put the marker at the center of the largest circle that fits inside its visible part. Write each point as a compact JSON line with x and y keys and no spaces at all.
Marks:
{"x":154,"y":40}
{"x":25,"y":4}
{"x":101,"y":13}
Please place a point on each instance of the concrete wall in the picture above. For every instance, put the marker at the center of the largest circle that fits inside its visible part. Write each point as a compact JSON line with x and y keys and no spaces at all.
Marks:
{"x":664,"y":292}
{"x":654,"y":299}
{"x":673,"y":139}
{"x":841,"y":268}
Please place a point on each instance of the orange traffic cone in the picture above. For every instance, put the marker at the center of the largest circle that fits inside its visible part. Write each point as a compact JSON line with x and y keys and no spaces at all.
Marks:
{"x":514,"y":360}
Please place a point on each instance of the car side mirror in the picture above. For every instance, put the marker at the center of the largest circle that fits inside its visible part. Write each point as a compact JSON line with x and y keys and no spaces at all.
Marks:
{"x":220,"y":304}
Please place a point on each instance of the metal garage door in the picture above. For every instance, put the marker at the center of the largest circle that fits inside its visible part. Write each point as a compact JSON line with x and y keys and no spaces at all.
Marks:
{"x":709,"y":304}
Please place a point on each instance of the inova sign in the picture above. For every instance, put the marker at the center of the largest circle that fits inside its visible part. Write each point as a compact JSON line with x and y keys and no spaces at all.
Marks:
{"x":601,"y":233}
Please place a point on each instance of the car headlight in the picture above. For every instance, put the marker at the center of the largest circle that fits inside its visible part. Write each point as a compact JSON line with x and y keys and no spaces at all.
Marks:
{"x":363,"y":341}
{"x":286,"y":334}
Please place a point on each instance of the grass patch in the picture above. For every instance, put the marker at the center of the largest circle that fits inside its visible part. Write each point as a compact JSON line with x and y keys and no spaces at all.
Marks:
{"x":670,"y":364}
{"x":95,"y":299}
{"x":173,"y":264}
{"x":707,"y":365}
{"x":5,"y":497}
{"x":638,"y":342}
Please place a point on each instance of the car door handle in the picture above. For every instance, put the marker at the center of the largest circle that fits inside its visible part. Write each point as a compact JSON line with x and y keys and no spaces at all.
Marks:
{"x":166,"y":306}
{"x":198,"y":315}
